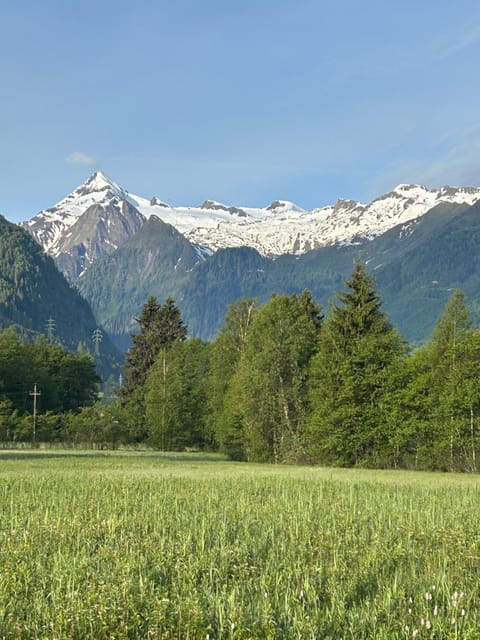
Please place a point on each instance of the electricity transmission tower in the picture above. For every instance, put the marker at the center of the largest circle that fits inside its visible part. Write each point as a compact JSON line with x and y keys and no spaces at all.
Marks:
{"x":97,"y":338}
{"x":51,"y":327}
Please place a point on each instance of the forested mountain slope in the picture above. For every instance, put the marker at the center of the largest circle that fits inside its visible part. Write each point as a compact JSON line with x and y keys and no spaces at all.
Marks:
{"x":36,"y":297}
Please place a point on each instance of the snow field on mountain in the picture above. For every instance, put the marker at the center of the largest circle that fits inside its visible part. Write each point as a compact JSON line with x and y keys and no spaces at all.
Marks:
{"x":282,"y":227}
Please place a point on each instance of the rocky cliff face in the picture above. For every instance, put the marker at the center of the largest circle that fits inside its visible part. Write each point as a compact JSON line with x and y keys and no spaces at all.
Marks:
{"x":103,"y":228}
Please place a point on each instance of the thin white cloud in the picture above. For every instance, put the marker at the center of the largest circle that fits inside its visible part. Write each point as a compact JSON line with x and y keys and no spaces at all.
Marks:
{"x":461,"y":42}
{"x":78,"y":157}
{"x":456,"y":163}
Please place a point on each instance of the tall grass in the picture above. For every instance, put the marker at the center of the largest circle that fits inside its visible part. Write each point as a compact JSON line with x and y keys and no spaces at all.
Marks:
{"x":151,"y":546}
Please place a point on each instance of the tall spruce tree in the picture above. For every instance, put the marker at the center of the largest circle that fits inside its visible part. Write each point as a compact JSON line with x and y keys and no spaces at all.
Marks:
{"x":160,"y":326}
{"x":356,"y":349}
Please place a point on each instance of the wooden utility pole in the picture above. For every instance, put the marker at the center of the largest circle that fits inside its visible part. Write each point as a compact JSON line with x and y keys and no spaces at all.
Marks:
{"x":35,"y":395}
{"x":164,"y":396}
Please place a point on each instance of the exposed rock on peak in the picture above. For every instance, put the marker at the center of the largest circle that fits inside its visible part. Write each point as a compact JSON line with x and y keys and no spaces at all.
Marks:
{"x":211,"y":205}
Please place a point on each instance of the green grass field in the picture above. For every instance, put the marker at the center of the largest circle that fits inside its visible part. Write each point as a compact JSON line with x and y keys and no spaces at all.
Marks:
{"x":147,"y":545}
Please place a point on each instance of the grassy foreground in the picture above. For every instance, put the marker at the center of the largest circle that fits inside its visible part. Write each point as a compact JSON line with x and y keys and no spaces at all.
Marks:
{"x":144,"y":545}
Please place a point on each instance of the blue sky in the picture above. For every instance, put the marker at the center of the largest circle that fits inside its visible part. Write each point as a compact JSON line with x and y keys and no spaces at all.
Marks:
{"x":239,"y":101}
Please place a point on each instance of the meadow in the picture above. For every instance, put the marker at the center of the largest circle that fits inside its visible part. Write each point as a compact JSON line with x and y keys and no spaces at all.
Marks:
{"x":146,"y":545}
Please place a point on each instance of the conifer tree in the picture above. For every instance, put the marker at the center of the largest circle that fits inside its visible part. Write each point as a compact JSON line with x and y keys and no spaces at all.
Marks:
{"x":356,"y":348}
{"x":160,"y":326}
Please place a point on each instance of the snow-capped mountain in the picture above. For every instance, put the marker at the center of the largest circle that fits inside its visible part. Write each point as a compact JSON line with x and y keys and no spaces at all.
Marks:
{"x":49,"y":226}
{"x":283,"y":227}
{"x":96,"y":218}
{"x":99,"y":215}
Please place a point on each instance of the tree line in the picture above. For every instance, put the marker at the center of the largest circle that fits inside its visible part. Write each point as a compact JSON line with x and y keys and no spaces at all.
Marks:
{"x":282,"y":382}
{"x":67,"y":382}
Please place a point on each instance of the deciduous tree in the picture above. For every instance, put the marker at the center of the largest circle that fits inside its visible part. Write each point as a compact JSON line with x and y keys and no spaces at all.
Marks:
{"x":175,"y":396}
{"x":267,"y":396}
{"x":226,"y":352}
